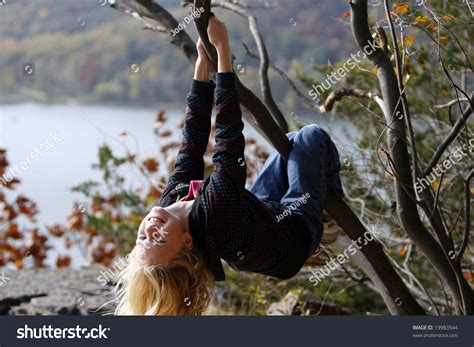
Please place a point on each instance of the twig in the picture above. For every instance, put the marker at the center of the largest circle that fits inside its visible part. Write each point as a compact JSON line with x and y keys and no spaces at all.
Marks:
{"x":134,"y":14}
{"x":461,"y":122}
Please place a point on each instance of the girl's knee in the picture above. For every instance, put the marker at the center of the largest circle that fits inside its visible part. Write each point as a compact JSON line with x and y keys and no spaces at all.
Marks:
{"x":313,"y":131}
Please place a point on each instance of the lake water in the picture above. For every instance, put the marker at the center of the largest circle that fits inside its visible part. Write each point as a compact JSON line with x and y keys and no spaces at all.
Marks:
{"x":80,"y":130}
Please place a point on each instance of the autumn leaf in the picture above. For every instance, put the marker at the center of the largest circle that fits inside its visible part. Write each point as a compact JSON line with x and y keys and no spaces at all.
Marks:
{"x":11,"y":214}
{"x":346,"y":14}
{"x":56,"y":230}
{"x":422,"y":19}
{"x":26,"y":206}
{"x":448,"y":17}
{"x":19,"y":263}
{"x":135,"y":219}
{"x":330,"y":66}
{"x":169,"y":146}
{"x":403,"y":250}
{"x":165,"y":133}
{"x":63,"y":261}
{"x":435,"y":185}
{"x":9,"y":184}
{"x":3,"y":161}
{"x":161,"y":116}
{"x":13,"y":232}
{"x":154,"y":193}
{"x":92,"y":232}
{"x":75,"y":222}
{"x":409,"y":40}
{"x":4,"y":246}
{"x":401,"y":8}
{"x":444,"y":38}
{"x":96,"y":206}
{"x":432,"y":26}
{"x":131,"y":159}
{"x":150,"y":164}
{"x":104,"y":253}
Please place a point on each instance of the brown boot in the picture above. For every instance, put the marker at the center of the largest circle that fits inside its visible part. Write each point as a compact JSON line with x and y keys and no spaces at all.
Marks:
{"x":330,"y":234}
{"x":331,"y":230}
{"x":319,"y":258}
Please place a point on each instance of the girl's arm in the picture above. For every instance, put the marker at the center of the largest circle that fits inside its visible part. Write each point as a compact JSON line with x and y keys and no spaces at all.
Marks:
{"x":197,"y":126}
{"x":225,"y":191}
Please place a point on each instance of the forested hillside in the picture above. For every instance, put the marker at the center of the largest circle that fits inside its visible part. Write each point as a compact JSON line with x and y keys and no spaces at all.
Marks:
{"x":83,"y":51}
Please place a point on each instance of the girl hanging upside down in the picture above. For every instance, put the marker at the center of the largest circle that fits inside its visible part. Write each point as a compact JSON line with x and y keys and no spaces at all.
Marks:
{"x":271,"y":229}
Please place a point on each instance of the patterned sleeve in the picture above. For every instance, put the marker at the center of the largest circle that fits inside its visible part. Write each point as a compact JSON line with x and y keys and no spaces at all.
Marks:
{"x":224,"y":193}
{"x":197,"y":126}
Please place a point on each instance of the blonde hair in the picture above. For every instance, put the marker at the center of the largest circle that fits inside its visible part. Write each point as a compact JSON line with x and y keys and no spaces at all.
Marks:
{"x":183,"y":286}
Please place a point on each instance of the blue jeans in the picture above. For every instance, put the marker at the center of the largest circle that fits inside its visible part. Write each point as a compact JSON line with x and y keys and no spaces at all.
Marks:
{"x":302,"y":183}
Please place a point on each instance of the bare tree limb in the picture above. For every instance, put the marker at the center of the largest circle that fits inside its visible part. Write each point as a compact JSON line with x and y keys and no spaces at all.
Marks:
{"x":264,"y":61}
{"x":450,"y":103}
{"x":460,"y":124}
{"x":342,"y":243}
{"x":135,"y":15}
{"x":397,"y":292}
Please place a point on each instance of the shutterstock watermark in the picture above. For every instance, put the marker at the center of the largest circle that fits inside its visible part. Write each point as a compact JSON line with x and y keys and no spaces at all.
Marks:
{"x":187,"y":20}
{"x":16,"y":170}
{"x":3,"y":279}
{"x":456,"y":156}
{"x":287,"y":212}
{"x":331,"y":79}
{"x":335,"y":263}
{"x":119,"y":264}
{"x":111,"y":273}
{"x":48,"y":332}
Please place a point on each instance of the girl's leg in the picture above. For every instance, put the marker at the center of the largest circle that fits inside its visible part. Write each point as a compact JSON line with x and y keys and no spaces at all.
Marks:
{"x":312,"y":171}
{"x":272,"y":181}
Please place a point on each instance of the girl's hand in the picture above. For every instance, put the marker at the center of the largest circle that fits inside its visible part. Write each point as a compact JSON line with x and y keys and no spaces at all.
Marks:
{"x":217,"y":32}
{"x":203,"y":65}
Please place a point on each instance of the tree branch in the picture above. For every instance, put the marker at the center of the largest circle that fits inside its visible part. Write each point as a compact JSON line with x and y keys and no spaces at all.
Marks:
{"x":373,"y":251}
{"x":264,"y":61}
{"x":135,"y":15}
{"x":460,"y":124}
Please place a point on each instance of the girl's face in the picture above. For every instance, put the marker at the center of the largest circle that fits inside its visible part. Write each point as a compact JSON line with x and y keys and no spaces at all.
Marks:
{"x":163,"y":232}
